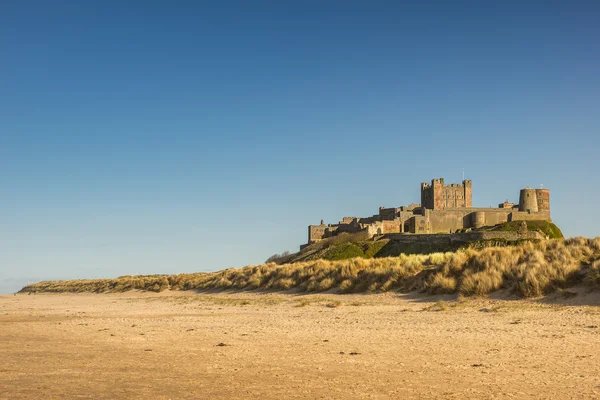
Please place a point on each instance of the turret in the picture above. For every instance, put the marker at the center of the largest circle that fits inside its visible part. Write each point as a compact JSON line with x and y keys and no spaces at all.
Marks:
{"x":528,"y":200}
{"x":478,"y":219}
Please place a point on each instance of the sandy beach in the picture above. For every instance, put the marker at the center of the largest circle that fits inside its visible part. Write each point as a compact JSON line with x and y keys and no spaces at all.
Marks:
{"x":184,"y":345}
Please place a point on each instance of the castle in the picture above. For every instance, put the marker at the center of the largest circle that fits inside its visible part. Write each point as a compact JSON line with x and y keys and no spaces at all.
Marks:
{"x":443,"y":209}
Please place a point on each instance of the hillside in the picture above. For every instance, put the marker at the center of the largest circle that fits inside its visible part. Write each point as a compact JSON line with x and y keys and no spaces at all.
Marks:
{"x":345,"y":246}
{"x":529,"y":269}
{"x":547,"y":228}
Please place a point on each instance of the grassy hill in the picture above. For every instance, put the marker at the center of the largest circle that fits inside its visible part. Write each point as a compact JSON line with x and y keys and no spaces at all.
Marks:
{"x":346,"y":246}
{"x":351,"y":245}
{"x":547,"y":228}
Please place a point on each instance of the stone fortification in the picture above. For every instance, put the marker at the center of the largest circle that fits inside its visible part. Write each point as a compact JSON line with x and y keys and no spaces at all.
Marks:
{"x":438,"y":196}
{"x":467,"y":237}
{"x":444,"y":209}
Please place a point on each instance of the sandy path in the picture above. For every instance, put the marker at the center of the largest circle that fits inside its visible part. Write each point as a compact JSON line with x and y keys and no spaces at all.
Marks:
{"x":141,"y":345}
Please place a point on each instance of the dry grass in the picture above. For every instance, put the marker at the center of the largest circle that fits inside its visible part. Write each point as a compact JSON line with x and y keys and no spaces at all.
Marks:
{"x":530,"y":270}
{"x":438,"y":306}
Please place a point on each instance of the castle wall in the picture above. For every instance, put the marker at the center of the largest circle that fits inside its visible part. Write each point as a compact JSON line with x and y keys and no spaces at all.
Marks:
{"x":348,"y":228}
{"x":316,"y":232}
{"x":418,"y":224}
{"x":385,"y":227}
{"x":453,"y":196}
{"x":526,"y":216}
{"x":374,"y":229}
{"x":506,"y":204}
{"x":410,"y":207}
{"x":465,"y":237}
{"x":446,"y":221}
{"x":369,"y":220}
{"x":388,"y":213}
{"x":497,"y":216}
{"x":405,"y":221}
{"x":391,"y":226}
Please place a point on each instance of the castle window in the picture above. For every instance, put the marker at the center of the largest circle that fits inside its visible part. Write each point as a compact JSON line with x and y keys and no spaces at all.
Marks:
{"x":421,"y":228}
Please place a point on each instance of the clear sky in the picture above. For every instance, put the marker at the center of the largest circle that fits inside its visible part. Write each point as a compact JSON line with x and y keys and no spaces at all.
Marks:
{"x":167,"y":137}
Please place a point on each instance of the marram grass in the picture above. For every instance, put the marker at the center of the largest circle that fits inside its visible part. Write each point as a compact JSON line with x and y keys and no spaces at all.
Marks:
{"x":531,"y":269}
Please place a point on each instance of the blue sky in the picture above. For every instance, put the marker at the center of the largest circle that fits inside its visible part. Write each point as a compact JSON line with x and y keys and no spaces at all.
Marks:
{"x":166,"y":137}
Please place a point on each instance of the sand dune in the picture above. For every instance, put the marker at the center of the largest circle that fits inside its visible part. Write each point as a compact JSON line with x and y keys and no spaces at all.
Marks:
{"x":182,"y":345}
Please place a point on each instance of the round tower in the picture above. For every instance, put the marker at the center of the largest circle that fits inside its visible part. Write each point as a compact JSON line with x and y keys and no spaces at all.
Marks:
{"x":543,"y":199}
{"x":528,"y":200}
{"x":478,"y":219}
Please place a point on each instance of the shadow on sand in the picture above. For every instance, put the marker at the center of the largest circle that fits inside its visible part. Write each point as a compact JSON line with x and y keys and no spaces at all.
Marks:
{"x":575,"y":296}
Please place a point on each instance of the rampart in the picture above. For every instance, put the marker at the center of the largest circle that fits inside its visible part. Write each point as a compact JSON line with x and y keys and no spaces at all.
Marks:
{"x":466,"y":237}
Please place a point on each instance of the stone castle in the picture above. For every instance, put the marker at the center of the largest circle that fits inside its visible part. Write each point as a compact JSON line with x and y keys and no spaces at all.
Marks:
{"x":444,"y":209}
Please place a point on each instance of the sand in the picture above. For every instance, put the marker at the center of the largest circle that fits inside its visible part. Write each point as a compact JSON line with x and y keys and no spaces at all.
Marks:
{"x":281,"y":346}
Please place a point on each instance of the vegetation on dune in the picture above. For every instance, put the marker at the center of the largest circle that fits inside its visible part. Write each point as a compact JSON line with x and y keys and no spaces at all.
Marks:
{"x":351,"y":245}
{"x":344,"y":251}
{"x":530,"y":269}
{"x":339,"y":247}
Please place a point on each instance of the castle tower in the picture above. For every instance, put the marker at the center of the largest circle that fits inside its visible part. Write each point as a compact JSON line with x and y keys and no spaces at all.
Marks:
{"x":528,"y":200}
{"x":478,"y":219}
{"x":426,"y":196}
{"x":543,"y":199}
{"x":437,"y":189}
{"x":468,"y":193}
{"x":439,"y":196}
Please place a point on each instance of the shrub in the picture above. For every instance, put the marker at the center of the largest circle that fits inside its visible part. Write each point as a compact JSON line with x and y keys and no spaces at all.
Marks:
{"x":346,"y":286}
{"x":326,"y":284}
{"x":440,"y":284}
{"x":592,"y":278}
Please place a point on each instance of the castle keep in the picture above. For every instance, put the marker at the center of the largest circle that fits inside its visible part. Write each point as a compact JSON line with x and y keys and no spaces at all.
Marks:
{"x":443,"y":209}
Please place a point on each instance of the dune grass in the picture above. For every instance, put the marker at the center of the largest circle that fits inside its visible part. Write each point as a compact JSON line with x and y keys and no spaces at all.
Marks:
{"x":530,"y":269}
